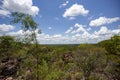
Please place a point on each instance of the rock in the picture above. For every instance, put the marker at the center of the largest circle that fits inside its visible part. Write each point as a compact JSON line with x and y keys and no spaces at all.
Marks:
{"x":6,"y":71}
{"x":2,"y":78}
{"x":5,"y":60}
{"x":9,"y":67}
{"x":9,"y":78}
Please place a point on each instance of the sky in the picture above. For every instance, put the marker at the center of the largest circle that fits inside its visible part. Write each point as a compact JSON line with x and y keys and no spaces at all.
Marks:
{"x":64,"y":21}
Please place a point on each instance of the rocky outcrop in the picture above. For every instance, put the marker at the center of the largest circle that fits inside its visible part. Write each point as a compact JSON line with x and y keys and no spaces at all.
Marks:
{"x":9,"y":67}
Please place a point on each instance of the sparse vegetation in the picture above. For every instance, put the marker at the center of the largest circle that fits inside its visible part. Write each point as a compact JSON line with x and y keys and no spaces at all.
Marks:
{"x":66,"y":62}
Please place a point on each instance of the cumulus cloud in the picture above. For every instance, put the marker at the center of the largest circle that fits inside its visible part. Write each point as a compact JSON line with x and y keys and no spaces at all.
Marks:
{"x":75,"y":10}
{"x":103,"y":31}
{"x":69,"y":30}
{"x":89,"y":29}
{"x":72,"y":18}
{"x":22,"y":32}
{"x":23,"y":6}
{"x":6,"y":28}
{"x":85,"y":37}
{"x":80,"y":28}
{"x":18,"y":33}
{"x":102,"y":21}
{"x":76,"y":29}
{"x":64,"y":4}
{"x":91,"y":17}
{"x":57,"y":36}
{"x":4,"y":12}
{"x":81,"y":35}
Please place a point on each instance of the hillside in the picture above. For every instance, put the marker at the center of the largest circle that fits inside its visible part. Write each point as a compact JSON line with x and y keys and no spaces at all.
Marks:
{"x":59,"y":62}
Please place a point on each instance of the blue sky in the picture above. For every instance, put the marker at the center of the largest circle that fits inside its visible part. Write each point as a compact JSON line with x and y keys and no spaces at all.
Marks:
{"x":65,"y":21}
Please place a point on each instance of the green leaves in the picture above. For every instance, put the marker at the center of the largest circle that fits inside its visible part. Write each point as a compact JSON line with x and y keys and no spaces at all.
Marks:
{"x":25,"y":20}
{"x":28,"y":23}
{"x":17,"y":17}
{"x":48,"y":72}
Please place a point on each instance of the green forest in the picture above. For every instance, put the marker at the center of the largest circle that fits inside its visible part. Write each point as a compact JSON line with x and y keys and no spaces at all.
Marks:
{"x":25,"y":59}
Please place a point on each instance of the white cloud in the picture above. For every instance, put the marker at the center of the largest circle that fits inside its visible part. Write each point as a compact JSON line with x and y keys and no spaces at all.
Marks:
{"x":103,"y":31}
{"x":80,"y":34}
{"x":80,"y":28}
{"x":91,"y":17}
{"x":6,"y":28}
{"x":52,"y":39}
{"x":103,"y":34}
{"x":4,"y":12}
{"x":85,"y":37}
{"x":18,"y":33}
{"x":72,"y":18}
{"x":57,"y":36}
{"x":103,"y":20}
{"x":22,"y":32}
{"x":64,"y":4}
{"x":89,"y":29}
{"x":69,"y":30}
{"x":75,"y":10}
{"x":116,"y":31}
{"x":49,"y":28}
{"x":23,"y":6}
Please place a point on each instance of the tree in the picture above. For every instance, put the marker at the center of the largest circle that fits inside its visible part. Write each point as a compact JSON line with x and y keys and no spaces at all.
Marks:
{"x":112,"y":45}
{"x":89,"y":60}
{"x":113,"y":48}
{"x":28,"y":24}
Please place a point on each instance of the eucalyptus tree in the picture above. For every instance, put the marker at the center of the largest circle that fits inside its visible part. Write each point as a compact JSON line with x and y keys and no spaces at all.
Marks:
{"x":90,"y":61}
{"x":27,"y":24}
{"x":113,"y":48}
